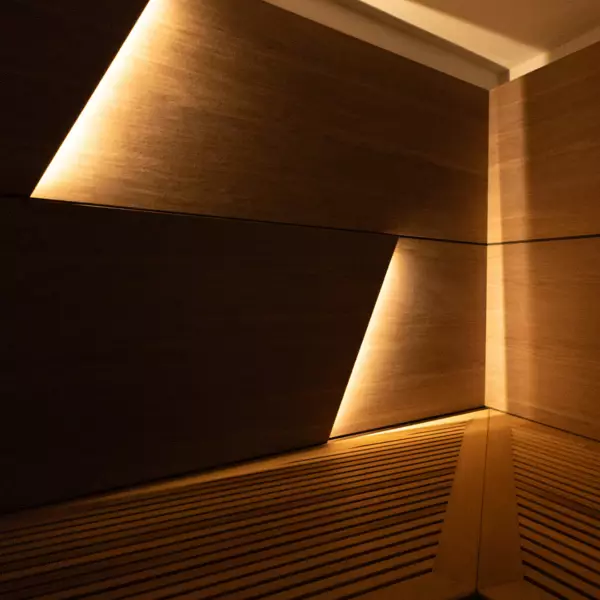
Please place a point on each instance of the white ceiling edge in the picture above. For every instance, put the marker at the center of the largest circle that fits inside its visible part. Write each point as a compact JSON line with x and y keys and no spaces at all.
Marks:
{"x":399,"y":35}
{"x":493,"y":46}
{"x":394,"y":39}
{"x":550,"y":56}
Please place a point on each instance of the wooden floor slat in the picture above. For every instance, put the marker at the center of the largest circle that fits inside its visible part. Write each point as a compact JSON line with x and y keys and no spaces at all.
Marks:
{"x":192,"y":571}
{"x":434,"y":454}
{"x":435,"y":512}
{"x":224,"y":513}
{"x":217,"y":483}
{"x":356,"y":517}
{"x":225,"y":558}
{"x":556,"y":491}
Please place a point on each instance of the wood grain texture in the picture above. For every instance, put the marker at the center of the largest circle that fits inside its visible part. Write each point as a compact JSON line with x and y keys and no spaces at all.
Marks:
{"x":545,"y":151}
{"x":543,"y":349}
{"x":241,"y":109}
{"x":356,"y":518}
{"x":499,"y":555}
{"x":424,"y":351}
{"x":52,"y":56}
{"x":144,"y":345}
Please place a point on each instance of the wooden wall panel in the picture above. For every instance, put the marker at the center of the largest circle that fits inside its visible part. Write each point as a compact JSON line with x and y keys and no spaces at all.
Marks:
{"x":423,"y":354}
{"x":545,"y":151}
{"x":143,"y":345}
{"x":543,"y":358}
{"x":241,"y":109}
{"x":52,"y":56}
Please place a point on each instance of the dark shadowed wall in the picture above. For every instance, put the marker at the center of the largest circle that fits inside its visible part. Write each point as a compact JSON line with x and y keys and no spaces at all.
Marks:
{"x":143,"y":344}
{"x":52,"y":55}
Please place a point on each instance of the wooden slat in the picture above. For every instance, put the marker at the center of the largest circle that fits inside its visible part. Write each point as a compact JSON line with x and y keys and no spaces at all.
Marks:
{"x":559,"y":441}
{"x":396,"y":564}
{"x":500,"y":552}
{"x":558,"y":578}
{"x":553,"y":460}
{"x":525,"y":477}
{"x":559,"y":517}
{"x":150,"y":564}
{"x":183,"y":510}
{"x":556,"y":545}
{"x":195,"y":568}
{"x":265,"y":531}
{"x":548,"y":587}
{"x":559,"y":522}
{"x":560,"y":510}
{"x":555,"y":551}
{"x":548,"y":466}
{"x":321,"y":572}
{"x":458,"y":555}
{"x":282,"y":472}
{"x":366,"y":523}
{"x":566,"y":541}
{"x":72,"y":546}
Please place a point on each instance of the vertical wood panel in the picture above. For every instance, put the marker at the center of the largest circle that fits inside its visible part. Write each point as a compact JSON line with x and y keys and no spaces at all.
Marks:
{"x":143,"y":345}
{"x":241,"y":109}
{"x":543,"y":343}
{"x":545,"y":151}
{"x":542,"y":355}
{"x":424,"y":352}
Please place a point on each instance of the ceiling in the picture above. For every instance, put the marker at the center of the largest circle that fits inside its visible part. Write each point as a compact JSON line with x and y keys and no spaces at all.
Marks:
{"x":507,"y":32}
{"x":505,"y":37}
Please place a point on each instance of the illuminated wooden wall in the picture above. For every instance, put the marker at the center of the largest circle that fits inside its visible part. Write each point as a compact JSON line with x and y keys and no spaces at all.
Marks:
{"x":240,"y":109}
{"x":147,"y":344}
{"x":423,"y":354}
{"x":543,"y":347}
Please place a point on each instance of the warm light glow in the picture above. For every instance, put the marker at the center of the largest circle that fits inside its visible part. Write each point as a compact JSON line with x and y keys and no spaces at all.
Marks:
{"x":367,"y":365}
{"x":495,"y":346}
{"x":433,"y":422}
{"x":97,"y":124}
{"x":508,"y":306}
